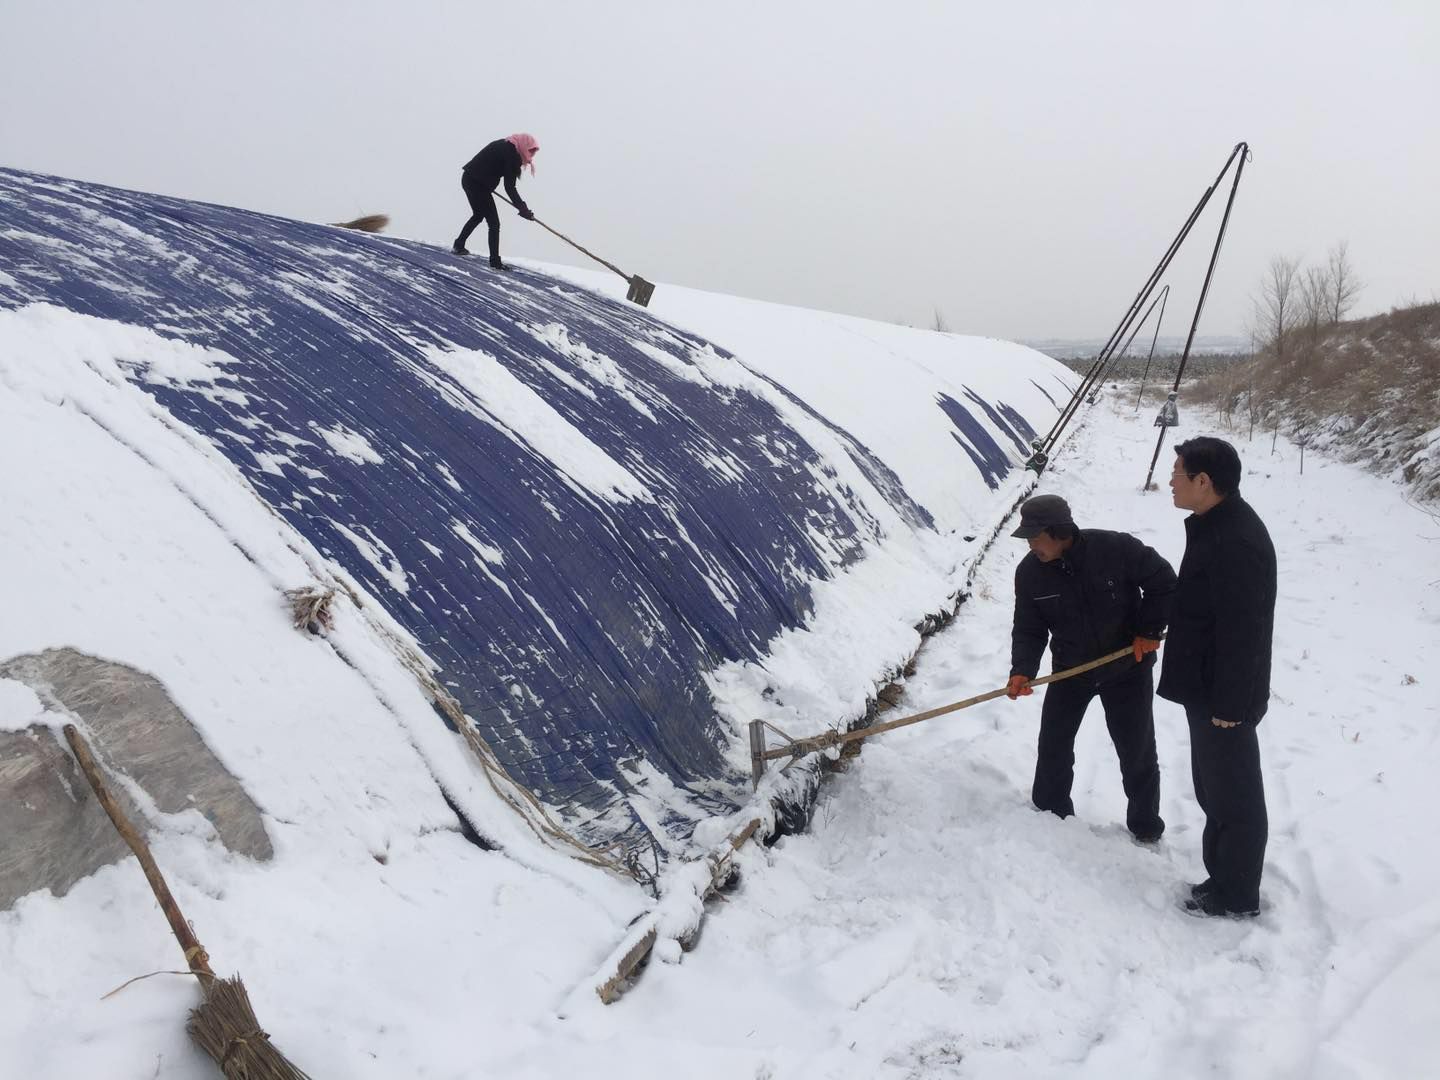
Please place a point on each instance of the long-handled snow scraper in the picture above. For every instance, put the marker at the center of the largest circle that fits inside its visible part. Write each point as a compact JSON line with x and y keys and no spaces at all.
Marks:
{"x":794,"y":749}
{"x":640,"y":290}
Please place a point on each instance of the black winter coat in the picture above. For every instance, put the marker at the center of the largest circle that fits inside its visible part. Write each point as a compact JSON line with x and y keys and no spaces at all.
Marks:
{"x":1218,"y":655}
{"x":1102,"y":593}
{"x":498,"y":161}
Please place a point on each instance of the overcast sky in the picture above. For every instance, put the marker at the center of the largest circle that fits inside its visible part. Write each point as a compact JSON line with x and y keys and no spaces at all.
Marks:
{"x":1019,"y":166}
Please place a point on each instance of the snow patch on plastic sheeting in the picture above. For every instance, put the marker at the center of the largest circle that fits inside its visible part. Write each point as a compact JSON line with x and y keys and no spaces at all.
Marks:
{"x":862,"y":378}
{"x":502,"y":399}
{"x":671,"y":363}
{"x":373,"y":550}
{"x":491,"y":554}
{"x":444,"y":471}
{"x":350,"y":445}
{"x":118,"y":351}
{"x":601,"y":368}
{"x":44,"y":336}
{"x":829,"y":668}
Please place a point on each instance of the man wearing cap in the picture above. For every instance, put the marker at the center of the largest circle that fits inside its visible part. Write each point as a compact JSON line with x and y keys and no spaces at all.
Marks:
{"x":1088,"y":592}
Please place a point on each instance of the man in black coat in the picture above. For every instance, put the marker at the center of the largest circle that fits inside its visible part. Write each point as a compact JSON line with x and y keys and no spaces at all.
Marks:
{"x":500,"y":160}
{"x":1217,"y":665}
{"x":1089,"y":592}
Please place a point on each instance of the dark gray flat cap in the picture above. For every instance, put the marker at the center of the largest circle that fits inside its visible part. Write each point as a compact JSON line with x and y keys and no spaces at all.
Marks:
{"x":1042,"y":510}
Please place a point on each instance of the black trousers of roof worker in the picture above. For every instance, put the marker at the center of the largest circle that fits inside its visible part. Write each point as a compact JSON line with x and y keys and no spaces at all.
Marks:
{"x":482,"y":208}
{"x":1225,"y":765}
{"x":1130,"y":718}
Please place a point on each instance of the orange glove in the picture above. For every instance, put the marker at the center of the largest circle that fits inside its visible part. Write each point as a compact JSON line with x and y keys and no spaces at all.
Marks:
{"x":1143,"y":645}
{"x":1017,"y":687}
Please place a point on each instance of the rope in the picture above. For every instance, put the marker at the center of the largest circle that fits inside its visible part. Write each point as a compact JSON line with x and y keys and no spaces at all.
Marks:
{"x":151,"y":975}
{"x":238,"y":1042}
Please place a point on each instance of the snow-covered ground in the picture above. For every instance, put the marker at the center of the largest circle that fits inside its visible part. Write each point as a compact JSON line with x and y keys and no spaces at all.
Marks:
{"x":933,"y":924}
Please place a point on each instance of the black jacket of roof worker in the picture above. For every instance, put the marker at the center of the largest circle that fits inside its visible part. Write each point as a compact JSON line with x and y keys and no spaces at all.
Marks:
{"x":498,"y":161}
{"x":1218,"y":654}
{"x":1105,"y":590}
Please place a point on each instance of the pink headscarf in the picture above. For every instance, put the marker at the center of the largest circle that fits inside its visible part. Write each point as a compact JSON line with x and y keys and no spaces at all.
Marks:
{"x":527,"y":146}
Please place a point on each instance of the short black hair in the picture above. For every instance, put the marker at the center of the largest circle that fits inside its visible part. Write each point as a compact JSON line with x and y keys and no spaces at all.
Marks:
{"x":1214,"y":457}
{"x":1062,"y":532}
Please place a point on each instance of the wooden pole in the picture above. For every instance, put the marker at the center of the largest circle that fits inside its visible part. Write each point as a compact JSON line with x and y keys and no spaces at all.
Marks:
{"x":823,"y":742}
{"x":224,"y":1024}
{"x":640,"y":290}
{"x":195,"y":956}
{"x":557,"y":233}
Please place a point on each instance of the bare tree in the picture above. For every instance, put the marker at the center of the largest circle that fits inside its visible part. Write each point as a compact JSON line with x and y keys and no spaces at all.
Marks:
{"x":1344,"y":283}
{"x":939,"y":323}
{"x":1228,"y":397}
{"x":1277,"y":306}
{"x":1252,"y":401}
{"x":1316,"y":300}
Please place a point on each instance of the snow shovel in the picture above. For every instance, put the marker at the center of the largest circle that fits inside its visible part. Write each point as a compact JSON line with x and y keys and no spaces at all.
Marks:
{"x":794,"y":749}
{"x":640,"y":290}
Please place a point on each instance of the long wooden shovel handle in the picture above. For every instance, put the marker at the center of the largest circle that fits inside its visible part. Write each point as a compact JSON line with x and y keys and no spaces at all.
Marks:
{"x":1079,"y":669}
{"x":572,"y":243}
{"x":195,"y":955}
{"x":823,"y":742}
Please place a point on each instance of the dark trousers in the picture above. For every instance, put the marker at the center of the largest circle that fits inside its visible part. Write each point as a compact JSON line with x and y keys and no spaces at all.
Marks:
{"x":1225,"y":764}
{"x":483,"y":208}
{"x":1130,"y":718}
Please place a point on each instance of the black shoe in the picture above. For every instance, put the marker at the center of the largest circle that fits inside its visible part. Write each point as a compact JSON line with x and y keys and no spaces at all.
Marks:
{"x":1149,"y":836}
{"x":496,"y":264}
{"x":1203,"y":888}
{"x":459,"y":249}
{"x":1209,"y":906}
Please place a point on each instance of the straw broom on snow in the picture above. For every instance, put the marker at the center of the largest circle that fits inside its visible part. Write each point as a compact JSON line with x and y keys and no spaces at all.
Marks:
{"x":224,"y":1024}
{"x":369,"y":223}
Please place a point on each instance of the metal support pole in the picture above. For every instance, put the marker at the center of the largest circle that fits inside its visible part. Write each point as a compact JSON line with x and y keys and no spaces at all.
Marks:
{"x":1243,"y":149}
{"x":1164,"y":296}
{"x":1139,"y":301}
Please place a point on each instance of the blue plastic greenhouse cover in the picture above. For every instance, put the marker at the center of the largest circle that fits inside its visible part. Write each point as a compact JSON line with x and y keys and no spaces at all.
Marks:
{"x":572,"y":588}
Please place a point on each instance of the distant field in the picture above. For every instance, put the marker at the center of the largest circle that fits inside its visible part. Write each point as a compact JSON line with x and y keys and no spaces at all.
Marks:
{"x":1169,"y":344}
